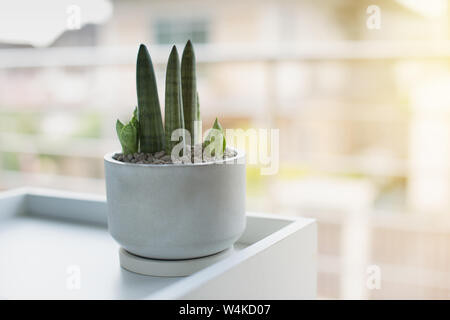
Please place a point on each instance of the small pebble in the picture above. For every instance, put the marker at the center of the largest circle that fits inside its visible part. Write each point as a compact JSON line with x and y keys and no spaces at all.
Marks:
{"x":166,"y":158}
{"x":161,"y":157}
{"x":198,"y":150}
{"x":159,"y":154}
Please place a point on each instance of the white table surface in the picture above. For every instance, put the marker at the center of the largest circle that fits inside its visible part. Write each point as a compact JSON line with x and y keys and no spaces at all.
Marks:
{"x":40,"y":254}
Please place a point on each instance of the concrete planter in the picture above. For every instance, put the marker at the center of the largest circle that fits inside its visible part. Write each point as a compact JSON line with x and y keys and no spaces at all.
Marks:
{"x":176,"y":211}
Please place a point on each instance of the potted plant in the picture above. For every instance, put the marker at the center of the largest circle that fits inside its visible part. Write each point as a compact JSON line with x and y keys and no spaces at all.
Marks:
{"x":171,"y":195}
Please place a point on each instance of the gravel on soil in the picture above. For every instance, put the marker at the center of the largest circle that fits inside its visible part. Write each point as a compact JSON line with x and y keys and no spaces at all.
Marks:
{"x":161,"y":157}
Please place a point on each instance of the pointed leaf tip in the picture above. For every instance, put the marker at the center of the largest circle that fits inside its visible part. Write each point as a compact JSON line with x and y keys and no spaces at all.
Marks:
{"x":151,"y":132}
{"x":119,"y":126}
{"x":217,"y":125}
{"x":189,"y":46}
{"x":143,"y":54}
{"x":174,"y":51}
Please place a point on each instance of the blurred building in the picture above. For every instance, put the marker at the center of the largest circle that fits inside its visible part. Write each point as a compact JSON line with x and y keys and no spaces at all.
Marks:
{"x":363,"y":115}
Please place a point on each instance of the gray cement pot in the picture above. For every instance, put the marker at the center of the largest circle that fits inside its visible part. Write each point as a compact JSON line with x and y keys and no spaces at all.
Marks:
{"x":176,"y":211}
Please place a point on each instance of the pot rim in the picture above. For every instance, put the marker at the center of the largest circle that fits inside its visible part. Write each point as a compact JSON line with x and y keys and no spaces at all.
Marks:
{"x":240,"y":155}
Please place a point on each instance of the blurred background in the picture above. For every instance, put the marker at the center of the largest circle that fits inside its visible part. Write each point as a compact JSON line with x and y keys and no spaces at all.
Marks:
{"x":360,"y":95}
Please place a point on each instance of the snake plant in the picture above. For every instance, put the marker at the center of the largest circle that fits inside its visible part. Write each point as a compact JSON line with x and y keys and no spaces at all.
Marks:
{"x":151,"y":132}
{"x":189,"y":92}
{"x":145,"y":131}
{"x":174,"y":107}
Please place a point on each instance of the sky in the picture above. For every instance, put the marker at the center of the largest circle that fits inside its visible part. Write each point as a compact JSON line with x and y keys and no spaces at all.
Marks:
{"x":40,"y":22}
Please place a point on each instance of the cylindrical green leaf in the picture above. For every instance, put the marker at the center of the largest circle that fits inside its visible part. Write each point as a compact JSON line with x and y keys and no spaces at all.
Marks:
{"x":189,"y":89}
{"x":174,"y":106}
{"x":198,"y":128}
{"x":151,"y":132}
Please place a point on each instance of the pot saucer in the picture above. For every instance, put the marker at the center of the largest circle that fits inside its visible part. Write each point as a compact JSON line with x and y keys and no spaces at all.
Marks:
{"x":168,"y":268}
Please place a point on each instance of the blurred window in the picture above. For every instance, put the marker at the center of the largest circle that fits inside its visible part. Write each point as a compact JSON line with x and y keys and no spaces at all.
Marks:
{"x":170,"y":31}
